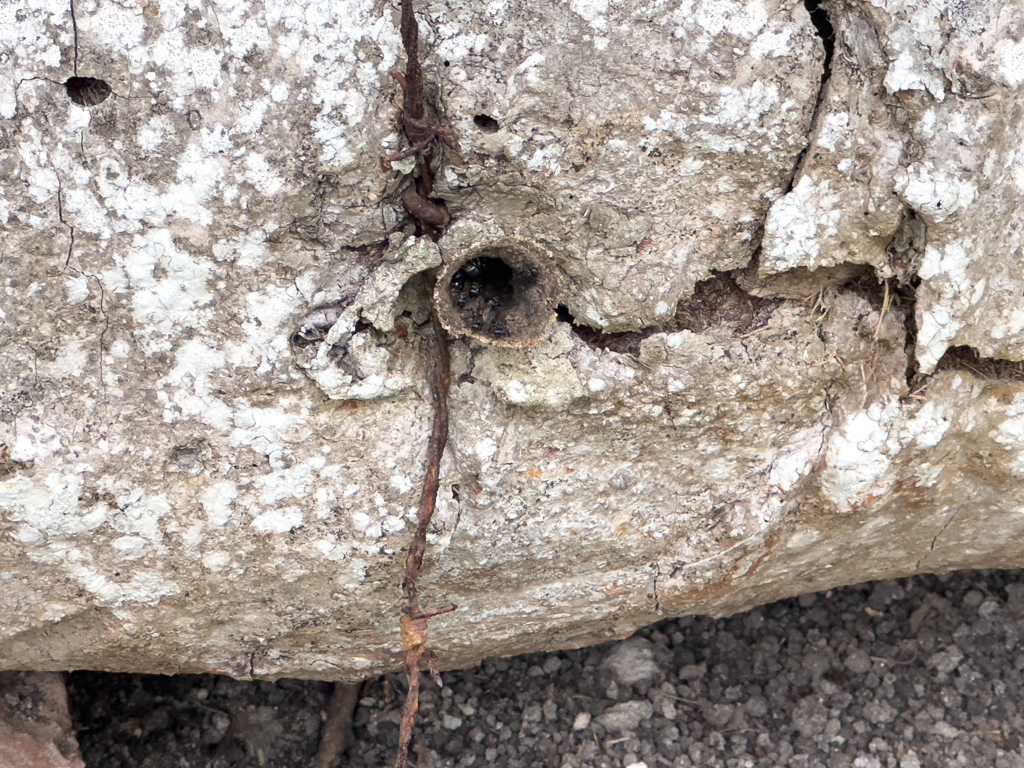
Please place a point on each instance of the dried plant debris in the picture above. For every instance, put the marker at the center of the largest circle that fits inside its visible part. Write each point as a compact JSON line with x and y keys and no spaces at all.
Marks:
{"x":423,"y":132}
{"x":336,"y":733}
{"x":968,"y":359}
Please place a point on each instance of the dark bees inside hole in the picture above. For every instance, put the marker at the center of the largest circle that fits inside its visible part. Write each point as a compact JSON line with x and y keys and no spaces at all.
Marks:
{"x":484,"y":291}
{"x":87,"y":91}
{"x":486,"y":123}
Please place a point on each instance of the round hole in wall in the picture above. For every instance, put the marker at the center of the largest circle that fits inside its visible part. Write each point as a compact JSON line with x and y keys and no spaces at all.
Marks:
{"x":486,"y":123}
{"x":503,"y":294}
{"x":87,"y":91}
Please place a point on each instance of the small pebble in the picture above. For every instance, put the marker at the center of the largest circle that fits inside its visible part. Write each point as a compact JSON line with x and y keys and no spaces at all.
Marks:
{"x":858,"y":662}
{"x":973,"y":598}
{"x":581,"y":722}
{"x":632,"y":661}
{"x":946,"y":661}
{"x":552,"y":665}
{"x":550,"y":711}
{"x":692,"y":671}
{"x":532,"y":714}
{"x":627,"y":716}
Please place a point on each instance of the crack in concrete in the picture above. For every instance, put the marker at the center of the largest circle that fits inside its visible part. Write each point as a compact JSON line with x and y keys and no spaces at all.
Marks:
{"x":24,"y":80}
{"x":962,"y":358}
{"x":60,"y":215}
{"x":823,"y":28}
{"x":103,"y":333}
{"x":628,"y":341}
{"x":938,"y":535}
{"x":716,"y":301}
{"x":654,"y":586}
{"x":74,"y":29}
{"x":456,"y":491}
{"x":88,"y":276}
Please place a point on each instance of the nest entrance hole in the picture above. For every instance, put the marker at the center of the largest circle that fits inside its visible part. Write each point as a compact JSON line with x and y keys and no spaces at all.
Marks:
{"x":488,"y":291}
{"x":503,"y":294}
{"x":482,"y":288}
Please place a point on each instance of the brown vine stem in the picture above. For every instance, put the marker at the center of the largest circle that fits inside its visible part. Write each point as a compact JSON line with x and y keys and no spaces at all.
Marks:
{"x":422,"y":133}
{"x":421,"y":130}
{"x":414,"y":621}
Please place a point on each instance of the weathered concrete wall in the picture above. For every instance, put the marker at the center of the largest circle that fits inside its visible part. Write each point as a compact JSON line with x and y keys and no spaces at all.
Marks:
{"x":214,"y":405}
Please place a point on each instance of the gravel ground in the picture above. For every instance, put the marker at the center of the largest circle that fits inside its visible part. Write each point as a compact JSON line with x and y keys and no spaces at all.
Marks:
{"x":917,"y":673}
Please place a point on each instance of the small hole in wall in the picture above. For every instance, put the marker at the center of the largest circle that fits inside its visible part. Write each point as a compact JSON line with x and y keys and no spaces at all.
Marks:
{"x":486,"y":123}
{"x":87,"y":91}
{"x":503,"y":294}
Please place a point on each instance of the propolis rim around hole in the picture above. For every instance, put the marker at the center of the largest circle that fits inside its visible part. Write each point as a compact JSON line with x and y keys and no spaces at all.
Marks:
{"x":504,"y":294}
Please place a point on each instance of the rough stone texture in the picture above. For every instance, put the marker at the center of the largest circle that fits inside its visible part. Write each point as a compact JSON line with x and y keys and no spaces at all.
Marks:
{"x":215,"y":407}
{"x":35,"y":725}
{"x":920,"y":118}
